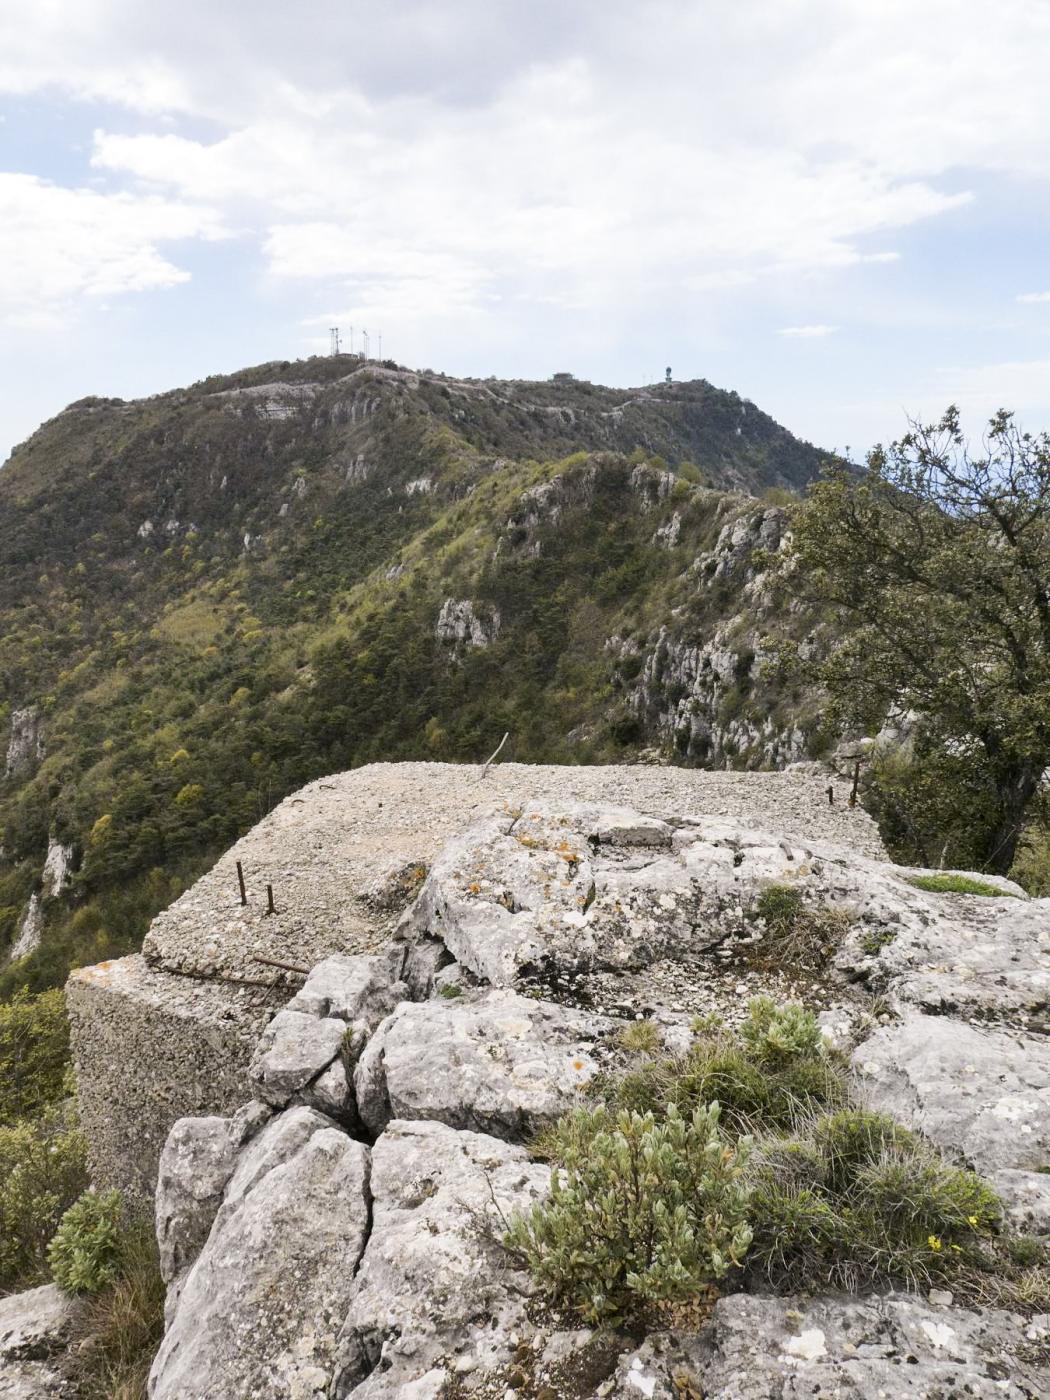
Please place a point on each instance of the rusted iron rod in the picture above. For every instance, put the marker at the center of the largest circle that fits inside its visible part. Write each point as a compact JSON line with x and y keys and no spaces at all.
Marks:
{"x":285,"y":967}
{"x":240,"y":881}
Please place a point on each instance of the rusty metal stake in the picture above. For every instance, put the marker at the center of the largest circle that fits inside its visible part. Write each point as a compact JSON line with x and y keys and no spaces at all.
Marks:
{"x":240,"y":881}
{"x":271,"y":908}
{"x":856,"y":784}
{"x":831,"y":796}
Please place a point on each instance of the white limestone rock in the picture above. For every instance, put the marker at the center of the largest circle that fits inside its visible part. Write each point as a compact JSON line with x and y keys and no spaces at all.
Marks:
{"x":57,"y":873}
{"x":433,"y":1284}
{"x":259,"y":1311}
{"x":198,"y":1160}
{"x":863,"y":1349}
{"x":35,"y":1328}
{"x":980,"y":1094}
{"x":30,"y":930}
{"x":496,"y":1063}
{"x":25,"y":744}
{"x":361,"y":988}
{"x":295,"y":1049}
{"x":460,"y":624}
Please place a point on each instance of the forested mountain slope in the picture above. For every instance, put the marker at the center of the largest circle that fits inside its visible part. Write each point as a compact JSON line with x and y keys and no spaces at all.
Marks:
{"x":211,"y":596}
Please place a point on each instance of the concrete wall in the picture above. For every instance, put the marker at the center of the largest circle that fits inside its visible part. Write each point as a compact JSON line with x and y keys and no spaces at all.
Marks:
{"x":150,"y":1047}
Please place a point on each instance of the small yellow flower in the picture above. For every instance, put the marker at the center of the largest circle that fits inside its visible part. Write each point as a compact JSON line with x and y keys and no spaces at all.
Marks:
{"x":957,"y":1248}
{"x":933,"y":1241}
{"x":973,"y":1220}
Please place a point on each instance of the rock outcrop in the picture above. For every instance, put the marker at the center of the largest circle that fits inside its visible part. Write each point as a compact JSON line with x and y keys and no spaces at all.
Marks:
{"x":259,"y":1310}
{"x":356,"y":1256}
{"x":25,"y":744}
{"x":35,"y":1329}
{"x":459,"y":624}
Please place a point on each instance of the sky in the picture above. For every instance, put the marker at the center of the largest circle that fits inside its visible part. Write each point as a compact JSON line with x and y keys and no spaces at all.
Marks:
{"x":839,"y":208}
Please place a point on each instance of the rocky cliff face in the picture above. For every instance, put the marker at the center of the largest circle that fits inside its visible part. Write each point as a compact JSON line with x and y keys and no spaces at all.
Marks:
{"x":25,"y":745}
{"x":339,"y":1237}
{"x":705,"y":681}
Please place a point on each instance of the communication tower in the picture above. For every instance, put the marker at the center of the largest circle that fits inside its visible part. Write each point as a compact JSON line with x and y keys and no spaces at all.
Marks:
{"x":333,"y":334}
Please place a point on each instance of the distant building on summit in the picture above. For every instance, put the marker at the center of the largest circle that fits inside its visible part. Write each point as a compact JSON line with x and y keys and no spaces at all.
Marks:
{"x":562,"y":377}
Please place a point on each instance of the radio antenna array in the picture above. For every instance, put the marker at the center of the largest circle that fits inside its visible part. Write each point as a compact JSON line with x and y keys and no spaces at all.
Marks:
{"x":333,"y":334}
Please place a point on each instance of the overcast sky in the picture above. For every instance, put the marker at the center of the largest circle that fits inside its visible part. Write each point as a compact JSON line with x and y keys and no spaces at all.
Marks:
{"x":837,"y":207}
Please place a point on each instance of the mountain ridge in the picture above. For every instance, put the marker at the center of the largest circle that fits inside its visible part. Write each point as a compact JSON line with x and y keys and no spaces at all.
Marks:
{"x":211,"y":596}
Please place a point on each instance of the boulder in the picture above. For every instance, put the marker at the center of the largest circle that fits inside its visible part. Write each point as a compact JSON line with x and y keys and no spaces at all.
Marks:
{"x":567,"y":890}
{"x":981,"y":1094}
{"x":35,"y":1327}
{"x":979,"y":958}
{"x":34,"y":1324}
{"x":361,"y":988}
{"x":861,"y":1349}
{"x":496,"y":1062}
{"x":434,"y":1284}
{"x":260,"y":1310}
{"x":295,"y":1049}
{"x":197,"y":1162}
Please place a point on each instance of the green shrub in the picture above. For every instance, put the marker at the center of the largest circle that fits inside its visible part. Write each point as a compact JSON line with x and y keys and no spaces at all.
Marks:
{"x":34,"y":1051}
{"x":85,"y":1253}
{"x":856,"y":1202}
{"x":43,"y":1169}
{"x":1031,"y":867}
{"x":958,"y":884}
{"x":639,"y":1213}
{"x":640,"y":1037}
{"x":777,"y":1035}
{"x":829,"y":1194}
{"x":795,"y":931}
{"x":781,"y":906}
{"x":120,"y":1328}
{"x":776,"y":1073}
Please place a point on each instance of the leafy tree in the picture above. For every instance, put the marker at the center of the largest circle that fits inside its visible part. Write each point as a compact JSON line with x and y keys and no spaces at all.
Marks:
{"x":937,"y":559}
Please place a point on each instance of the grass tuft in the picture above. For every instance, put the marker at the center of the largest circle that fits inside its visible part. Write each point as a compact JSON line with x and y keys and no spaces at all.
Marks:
{"x":958,"y":884}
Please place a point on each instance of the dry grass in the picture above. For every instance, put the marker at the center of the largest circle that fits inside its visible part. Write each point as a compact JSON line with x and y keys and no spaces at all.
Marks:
{"x":119,"y":1331}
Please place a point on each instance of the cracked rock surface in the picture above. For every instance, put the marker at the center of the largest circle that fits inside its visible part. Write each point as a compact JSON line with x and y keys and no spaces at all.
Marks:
{"x":433,"y":1284}
{"x":497,"y":1063}
{"x":856,"y":1349}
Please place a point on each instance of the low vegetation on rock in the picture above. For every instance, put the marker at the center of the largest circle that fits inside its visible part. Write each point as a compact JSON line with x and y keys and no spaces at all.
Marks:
{"x":958,"y":884}
{"x":84,"y":1253}
{"x":640,"y":1212}
{"x":743,"y":1162}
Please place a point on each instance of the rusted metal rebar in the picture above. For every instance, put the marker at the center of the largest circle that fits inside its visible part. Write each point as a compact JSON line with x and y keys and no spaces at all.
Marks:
{"x":285,"y":967}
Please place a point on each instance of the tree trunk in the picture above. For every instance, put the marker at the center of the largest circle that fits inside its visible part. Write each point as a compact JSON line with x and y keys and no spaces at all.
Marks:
{"x":1017,"y":785}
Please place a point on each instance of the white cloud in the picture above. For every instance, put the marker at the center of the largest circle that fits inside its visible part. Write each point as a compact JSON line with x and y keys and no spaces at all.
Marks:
{"x":573,"y":156}
{"x":58,"y":245}
{"x":1031,"y":297}
{"x":596,"y":170}
{"x":807,"y":332}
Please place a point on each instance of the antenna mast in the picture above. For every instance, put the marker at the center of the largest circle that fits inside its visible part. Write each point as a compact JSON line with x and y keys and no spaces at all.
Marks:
{"x":380,"y":355}
{"x":333,"y":333}
{"x":364,"y":337}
